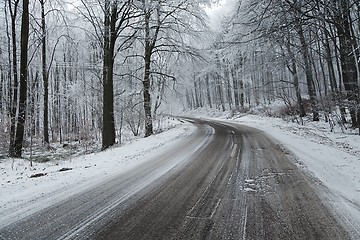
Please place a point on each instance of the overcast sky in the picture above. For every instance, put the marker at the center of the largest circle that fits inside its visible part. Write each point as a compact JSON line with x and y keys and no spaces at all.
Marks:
{"x":219,"y":11}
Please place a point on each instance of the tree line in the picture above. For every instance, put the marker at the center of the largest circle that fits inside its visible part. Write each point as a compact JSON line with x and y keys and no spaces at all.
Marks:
{"x":304,"y":52}
{"x":88,"y":69}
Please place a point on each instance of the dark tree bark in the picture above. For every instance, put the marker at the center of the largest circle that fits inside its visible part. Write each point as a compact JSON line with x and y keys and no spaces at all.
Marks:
{"x":23,"y":80}
{"x":116,"y":19}
{"x":242,"y":93}
{"x":14,"y":91}
{"x":108,"y":130}
{"x":308,"y":73}
{"x":45,"y":74}
{"x":348,"y":61}
{"x":149,"y":46}
{"x":146,"y":90}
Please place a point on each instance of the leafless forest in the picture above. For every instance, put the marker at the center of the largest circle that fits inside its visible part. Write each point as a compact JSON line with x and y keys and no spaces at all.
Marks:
{"x":89,"y":70}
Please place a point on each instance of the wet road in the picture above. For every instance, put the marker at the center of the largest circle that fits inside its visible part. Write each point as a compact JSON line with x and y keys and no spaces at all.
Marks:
{"x":225,"y":182}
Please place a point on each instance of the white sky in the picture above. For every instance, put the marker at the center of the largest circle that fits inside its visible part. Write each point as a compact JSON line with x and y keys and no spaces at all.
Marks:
{"x":219,"y":11}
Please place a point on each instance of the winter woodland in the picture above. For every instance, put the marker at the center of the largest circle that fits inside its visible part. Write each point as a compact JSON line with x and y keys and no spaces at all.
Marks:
{"x":90,"y":71}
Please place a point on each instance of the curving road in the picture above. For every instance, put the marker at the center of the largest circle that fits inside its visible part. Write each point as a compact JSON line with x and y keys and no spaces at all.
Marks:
{"x":226,"y":181}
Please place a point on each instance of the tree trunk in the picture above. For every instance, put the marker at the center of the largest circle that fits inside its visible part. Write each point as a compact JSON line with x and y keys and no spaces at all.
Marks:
{"x":242,"y":93}
{"x":236,"y":87}
{"x":23,"y":80}
{"x":228,"y":86}
{"x":208,"y":90}
{"x":309,"y":74}
{"x":340,"y":77}
{"x":196,"y":93}
{"x":188,"y":99}
{"x":32,"y":101}
{"x":159,"y":97}
{"x":348,"y":61}
{"x":2,"y":81}
{"x":294,"y":73}
{"x":45,"y":75}
{"x":108,"y":130}
{"x":14,"y":91}
{"x":146,"y":92}
{"x":330,"y":64}
{"x":220,"y":93}
{"x":149,"y":45}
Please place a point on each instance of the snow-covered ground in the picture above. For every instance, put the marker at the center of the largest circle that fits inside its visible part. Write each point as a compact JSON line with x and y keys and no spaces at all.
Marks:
{"x":332,"y":158}
{"x":22,"y":194}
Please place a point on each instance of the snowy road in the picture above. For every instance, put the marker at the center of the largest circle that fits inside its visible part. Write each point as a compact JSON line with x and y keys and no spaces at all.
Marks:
{"x":226,"y":181}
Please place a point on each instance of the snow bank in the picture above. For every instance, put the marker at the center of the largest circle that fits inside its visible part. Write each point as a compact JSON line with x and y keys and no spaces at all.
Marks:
{"x":333,"y":158}
{"x":45,"y":183}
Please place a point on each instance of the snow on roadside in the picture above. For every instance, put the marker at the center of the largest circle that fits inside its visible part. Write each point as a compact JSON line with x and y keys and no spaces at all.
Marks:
{"x":331,"y":157}
{"x":63,"y":178}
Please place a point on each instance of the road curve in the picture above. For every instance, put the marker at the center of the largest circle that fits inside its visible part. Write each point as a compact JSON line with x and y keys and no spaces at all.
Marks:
{"x":227,"y":181}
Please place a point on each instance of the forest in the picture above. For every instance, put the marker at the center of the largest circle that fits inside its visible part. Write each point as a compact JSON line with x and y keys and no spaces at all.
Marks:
{"x":89,"y":70}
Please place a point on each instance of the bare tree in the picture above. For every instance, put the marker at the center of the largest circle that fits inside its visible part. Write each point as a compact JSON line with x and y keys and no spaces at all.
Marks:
{"x":117,"y":17}
{"x":165,"y":27}
{"x":44,"y":73}
{"x":13,"y":9}
{"x":19,"y":137}
{"x":349,"y":64}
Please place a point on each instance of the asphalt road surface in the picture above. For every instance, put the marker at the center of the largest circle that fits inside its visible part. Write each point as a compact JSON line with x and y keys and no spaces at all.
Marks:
{"x":226,"y":181}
